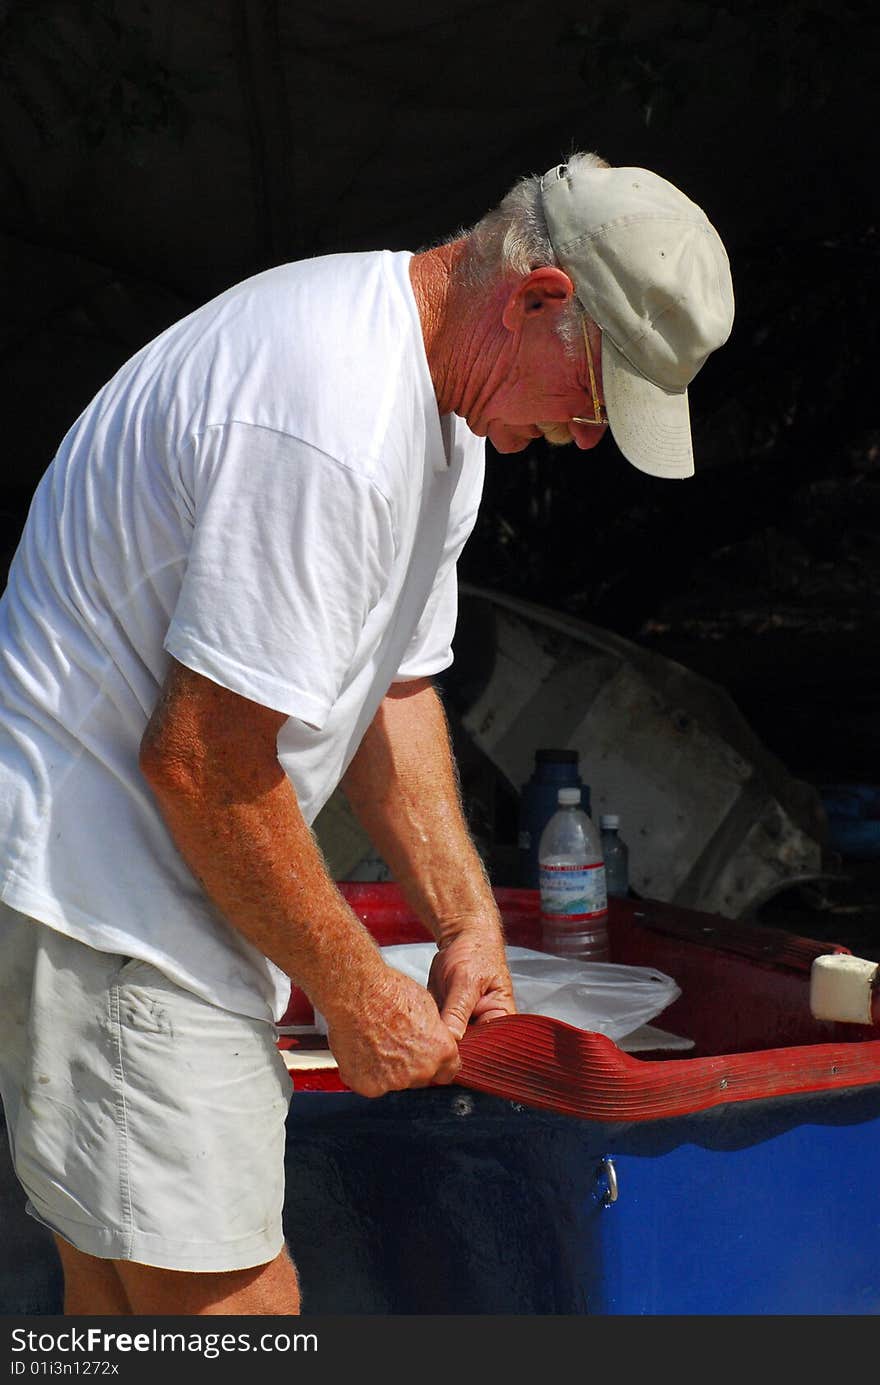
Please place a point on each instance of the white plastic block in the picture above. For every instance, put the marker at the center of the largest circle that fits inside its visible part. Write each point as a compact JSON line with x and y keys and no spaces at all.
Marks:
{"x":842,"y":988}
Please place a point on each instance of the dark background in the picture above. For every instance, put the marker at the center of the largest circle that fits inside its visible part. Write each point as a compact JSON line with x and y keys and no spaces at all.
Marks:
{"x":153,"y":152}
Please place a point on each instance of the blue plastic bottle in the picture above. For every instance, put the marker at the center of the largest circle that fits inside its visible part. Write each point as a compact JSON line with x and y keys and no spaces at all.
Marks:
{"x":554,"y":770}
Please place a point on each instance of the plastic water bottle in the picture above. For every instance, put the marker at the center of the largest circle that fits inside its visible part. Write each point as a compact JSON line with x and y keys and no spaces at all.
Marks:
{"x":615,"y":854}
{"x":571,"y":880}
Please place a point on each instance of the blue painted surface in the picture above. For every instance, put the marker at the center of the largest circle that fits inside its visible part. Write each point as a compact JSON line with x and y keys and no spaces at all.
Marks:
{"x":439,"y":1201}
{"x":445,"y":1201}
{"x":769,"y":1211}
{"x":539,"y":800}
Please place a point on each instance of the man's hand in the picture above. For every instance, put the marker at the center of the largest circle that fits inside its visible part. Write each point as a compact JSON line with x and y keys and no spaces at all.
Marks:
{"x":403,"y":787}
{"x":469,"y":979}
{"x":393,"y":1039}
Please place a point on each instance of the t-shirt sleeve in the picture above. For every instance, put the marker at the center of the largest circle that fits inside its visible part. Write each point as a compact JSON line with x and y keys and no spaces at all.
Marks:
{"x":430,"y":649}
{"x":290,"y":552}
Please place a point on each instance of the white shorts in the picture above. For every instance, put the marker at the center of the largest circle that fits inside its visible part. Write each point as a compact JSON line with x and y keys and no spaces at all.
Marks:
{"x":144,"y":1123}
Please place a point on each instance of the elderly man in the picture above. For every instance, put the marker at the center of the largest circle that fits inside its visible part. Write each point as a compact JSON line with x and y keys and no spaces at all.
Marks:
{"x":235,"y":585}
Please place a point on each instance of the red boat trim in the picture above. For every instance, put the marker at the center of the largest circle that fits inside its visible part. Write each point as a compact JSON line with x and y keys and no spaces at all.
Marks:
{"x":551,"y":1065}
{"x":546,"y":1063}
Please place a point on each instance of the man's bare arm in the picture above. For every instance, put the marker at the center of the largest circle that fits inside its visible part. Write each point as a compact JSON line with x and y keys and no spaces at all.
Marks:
{"x":403,"y":787}
{"x":210,"y":758}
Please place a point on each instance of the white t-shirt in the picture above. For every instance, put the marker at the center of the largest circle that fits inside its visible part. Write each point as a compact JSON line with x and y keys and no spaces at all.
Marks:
{"x":268,"y":493}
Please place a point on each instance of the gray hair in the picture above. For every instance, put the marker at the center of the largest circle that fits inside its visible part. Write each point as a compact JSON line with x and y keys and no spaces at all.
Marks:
{"x":513,"y":239}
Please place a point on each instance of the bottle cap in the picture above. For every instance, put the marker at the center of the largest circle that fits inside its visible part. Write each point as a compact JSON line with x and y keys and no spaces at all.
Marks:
{"x":609,"y":820}
{"x":568,"y":795}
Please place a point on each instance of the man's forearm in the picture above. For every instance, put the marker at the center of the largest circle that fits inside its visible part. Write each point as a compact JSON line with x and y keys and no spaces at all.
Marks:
{"x":403,"y":787}
{"x":234,"y":818}
{"x":211,"y":760}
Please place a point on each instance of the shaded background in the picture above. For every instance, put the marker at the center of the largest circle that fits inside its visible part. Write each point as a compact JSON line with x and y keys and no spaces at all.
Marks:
{"x":154,"y":152}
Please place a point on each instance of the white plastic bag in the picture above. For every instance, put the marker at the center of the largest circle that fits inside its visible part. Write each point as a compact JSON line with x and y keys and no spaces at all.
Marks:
{"x":605,"y":997}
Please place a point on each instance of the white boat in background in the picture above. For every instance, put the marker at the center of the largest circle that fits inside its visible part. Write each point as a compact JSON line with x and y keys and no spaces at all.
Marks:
{"x":712,"y":819}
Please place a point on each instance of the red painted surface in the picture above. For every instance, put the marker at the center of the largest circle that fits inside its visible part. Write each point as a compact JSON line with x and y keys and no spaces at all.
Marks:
{"x":745,"y":1003}
{"x":543,"y":1062}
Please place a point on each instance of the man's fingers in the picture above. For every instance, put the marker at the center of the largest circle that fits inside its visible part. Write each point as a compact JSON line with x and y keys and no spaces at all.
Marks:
{"x":457,"y":1010}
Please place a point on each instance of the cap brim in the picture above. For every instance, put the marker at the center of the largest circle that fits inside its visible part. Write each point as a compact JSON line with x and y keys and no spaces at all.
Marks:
{"x":651,"y":427}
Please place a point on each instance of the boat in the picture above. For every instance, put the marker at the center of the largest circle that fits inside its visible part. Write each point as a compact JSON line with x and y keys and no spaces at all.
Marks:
{"x":713,"y":820}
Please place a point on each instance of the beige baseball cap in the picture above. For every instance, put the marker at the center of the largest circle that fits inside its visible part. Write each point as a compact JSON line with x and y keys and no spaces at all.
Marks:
{"x":651,"y":271}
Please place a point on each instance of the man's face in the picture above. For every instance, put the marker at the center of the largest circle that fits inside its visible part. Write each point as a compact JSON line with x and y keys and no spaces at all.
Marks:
{"x":542,"y":389}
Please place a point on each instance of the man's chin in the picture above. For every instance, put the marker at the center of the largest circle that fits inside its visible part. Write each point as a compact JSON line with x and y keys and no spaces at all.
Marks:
{"x":505,"y":438}
{"x":557,"y":434}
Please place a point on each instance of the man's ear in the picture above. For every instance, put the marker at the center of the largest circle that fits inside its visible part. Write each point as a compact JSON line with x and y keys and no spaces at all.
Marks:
{"x":545,"y":290}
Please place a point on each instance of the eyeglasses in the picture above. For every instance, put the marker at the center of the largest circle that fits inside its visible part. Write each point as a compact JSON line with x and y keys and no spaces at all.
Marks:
{"x":600,"y":415}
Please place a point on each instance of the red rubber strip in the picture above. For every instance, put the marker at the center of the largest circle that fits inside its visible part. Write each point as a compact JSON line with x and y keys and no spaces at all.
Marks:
{"x":546,"y":1063}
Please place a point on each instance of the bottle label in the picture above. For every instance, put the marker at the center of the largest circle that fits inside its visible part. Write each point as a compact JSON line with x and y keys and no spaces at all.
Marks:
{"x":572,"y":892}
